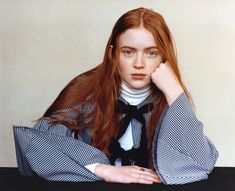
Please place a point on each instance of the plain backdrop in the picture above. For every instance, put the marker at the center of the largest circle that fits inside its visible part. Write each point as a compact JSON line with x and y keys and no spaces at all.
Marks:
{"x":44,"y":44}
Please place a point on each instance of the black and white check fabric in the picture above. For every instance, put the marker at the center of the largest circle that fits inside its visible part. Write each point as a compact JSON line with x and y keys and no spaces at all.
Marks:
{"x":181,"y":152}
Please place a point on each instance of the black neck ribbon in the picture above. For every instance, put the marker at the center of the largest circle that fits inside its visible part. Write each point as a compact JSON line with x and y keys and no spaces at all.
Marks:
{"x":134,"y":156}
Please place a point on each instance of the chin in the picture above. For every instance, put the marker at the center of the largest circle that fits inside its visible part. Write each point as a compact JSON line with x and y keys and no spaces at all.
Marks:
{"x":138,"y":85}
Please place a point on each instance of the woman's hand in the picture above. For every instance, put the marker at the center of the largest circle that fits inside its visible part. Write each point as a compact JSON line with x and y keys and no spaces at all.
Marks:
{"x":166,"y":80}
{"x":126,"y":174}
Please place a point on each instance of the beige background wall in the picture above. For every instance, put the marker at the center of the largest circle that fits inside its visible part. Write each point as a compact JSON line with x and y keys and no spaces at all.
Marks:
{"x":44,"y":44}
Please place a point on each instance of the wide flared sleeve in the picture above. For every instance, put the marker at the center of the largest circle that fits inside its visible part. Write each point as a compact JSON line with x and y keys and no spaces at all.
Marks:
{"x":52,"y":153}
{"x":182,"y":154}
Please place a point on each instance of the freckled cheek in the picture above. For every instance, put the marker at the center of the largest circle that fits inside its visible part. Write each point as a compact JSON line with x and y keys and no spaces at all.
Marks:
{"x":121,"y":65}
{"x":122,"y":71}
{"x":124,"y":65}
{"x":152,"y":67}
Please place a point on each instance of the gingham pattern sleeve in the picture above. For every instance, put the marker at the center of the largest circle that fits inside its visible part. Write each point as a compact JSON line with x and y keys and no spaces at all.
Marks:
{"x":184,"y":154}
{"x":53,"y":154}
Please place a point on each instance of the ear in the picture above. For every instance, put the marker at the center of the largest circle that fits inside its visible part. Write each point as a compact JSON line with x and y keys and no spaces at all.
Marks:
{"x":110,"y":51}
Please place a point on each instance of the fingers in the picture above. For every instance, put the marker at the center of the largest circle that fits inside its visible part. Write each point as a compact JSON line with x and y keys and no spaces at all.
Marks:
{"x":150,"y":174}
{"x":129,"y":174}
{"x":167,"y":63}
{"x":147,"y":176}
{"x":163,"y":64}
{"x":144,"y":181}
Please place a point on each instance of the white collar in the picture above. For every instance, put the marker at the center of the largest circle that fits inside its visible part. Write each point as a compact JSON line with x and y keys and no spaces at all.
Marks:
{"x":134,"y":96}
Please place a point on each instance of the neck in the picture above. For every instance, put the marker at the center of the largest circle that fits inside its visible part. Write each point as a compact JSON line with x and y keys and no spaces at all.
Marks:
{"x":134,"y":96}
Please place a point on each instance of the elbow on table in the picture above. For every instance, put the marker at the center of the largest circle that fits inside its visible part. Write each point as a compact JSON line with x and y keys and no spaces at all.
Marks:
{"x":187,"y":178}
{"x":186,"y":172}
{"x":175,"y":167}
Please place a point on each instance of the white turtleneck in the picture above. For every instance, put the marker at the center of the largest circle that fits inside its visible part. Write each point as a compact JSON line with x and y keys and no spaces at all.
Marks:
{"x":133,"y":97}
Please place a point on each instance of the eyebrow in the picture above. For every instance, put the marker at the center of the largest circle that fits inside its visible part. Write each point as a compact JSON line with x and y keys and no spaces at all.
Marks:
{"x":148,"y":48}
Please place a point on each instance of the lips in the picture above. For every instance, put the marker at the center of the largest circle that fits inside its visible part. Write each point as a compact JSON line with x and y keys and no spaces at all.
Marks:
{"x":138,"y":75}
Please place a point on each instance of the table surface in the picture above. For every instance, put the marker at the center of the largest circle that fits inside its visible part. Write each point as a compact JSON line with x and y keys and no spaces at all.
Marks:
{"x":221,"y":179}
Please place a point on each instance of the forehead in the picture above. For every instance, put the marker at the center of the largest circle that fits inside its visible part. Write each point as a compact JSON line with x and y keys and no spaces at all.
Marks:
{"x":137,"y":38}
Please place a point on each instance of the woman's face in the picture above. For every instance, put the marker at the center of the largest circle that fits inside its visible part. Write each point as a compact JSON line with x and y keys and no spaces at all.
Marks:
{"x":138,"y":57}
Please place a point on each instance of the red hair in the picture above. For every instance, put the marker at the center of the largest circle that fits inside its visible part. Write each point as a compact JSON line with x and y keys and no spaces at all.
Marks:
{"x":100,"y":86}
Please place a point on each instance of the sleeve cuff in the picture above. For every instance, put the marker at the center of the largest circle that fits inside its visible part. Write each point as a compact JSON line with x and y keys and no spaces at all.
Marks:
{"x":91,"y":167}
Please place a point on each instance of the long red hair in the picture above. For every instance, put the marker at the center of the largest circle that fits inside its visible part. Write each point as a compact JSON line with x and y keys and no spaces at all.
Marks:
{"x":100,"y":86}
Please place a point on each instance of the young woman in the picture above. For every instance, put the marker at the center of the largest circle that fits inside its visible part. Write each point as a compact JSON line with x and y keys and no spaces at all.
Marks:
{"x":128,"y":120}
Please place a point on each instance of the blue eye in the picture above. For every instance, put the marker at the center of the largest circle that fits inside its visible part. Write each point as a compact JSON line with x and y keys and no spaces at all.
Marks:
{"x":127,"y":52}
{"x":152,"y":53}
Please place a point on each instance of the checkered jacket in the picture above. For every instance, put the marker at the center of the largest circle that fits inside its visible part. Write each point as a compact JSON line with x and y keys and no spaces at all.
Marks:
{"x":181,"y":152}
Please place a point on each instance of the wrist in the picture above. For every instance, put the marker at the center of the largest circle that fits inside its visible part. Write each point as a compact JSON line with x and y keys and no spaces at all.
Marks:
{"x":173,"y":95}
{"x":101,"y":170}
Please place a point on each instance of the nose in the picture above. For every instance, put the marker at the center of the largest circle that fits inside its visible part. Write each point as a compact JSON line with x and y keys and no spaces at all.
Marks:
{"x":139,"y":61}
